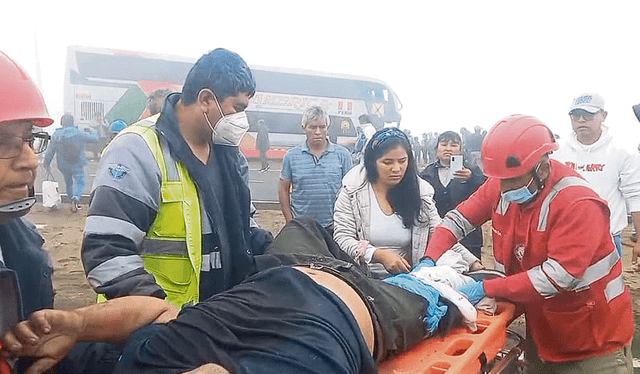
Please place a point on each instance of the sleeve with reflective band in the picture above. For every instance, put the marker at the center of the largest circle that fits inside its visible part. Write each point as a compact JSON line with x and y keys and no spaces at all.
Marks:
{"x":550,"y":278}
{"x":630,"y":181}
{"x":469,"y":214}
{"x":124,"y":200}
{"x":172,"y":248}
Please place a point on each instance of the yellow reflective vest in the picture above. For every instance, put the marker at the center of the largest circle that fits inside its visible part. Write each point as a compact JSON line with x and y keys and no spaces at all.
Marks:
{"x":172,"y":247}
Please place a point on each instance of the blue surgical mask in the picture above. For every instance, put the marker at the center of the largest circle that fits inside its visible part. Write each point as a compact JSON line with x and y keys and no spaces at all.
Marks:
{"x":521,"y":195}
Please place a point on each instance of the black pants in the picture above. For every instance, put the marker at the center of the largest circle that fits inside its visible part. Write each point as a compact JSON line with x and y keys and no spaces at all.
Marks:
{"x":397,"y":312}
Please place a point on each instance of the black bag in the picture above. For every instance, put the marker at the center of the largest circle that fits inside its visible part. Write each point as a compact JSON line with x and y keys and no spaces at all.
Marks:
{"x":70,"y":148}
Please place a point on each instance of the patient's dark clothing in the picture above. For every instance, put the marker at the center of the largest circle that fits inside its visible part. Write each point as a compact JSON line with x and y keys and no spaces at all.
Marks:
{"x":397,"y":314}
{"x":280,"y":321}
{"x":277,"y":321}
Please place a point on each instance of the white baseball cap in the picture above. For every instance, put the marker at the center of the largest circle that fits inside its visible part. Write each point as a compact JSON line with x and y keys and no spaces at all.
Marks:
{"x":591,"y":102}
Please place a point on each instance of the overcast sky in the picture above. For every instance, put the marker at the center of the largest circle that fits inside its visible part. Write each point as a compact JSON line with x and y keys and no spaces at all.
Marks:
{"x":452,"y":63}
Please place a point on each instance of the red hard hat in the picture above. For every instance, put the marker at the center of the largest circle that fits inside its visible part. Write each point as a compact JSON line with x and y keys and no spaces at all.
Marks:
{"x":514,"y":145}
{"x":20,"y":99}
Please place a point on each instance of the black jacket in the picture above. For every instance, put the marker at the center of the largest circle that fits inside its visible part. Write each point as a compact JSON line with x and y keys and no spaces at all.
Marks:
{"x":22,"y":251}
{"x":447,"y":198}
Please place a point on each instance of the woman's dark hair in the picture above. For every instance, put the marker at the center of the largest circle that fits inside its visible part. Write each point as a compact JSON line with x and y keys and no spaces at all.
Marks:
{"x":405,"y":196}
{"x":451,"y":136}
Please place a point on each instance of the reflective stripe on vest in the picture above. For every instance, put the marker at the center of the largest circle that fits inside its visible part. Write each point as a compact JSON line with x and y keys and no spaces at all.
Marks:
{"x":458,"y":224}
{"x":172,"y":248}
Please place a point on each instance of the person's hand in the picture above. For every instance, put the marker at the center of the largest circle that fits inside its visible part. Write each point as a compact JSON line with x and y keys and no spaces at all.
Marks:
{"x":424,"y":263}
{"x":393,"y":262}
{"x":463,"y":174}
{"x":635,"y":255}
{"x":47,"y":336}
{"x":473,"y":291}
{"x":476,"y":266}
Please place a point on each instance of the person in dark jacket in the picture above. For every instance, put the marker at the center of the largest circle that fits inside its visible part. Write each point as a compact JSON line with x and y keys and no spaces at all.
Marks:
{"x":20,"y":244}
{"x":170,"y":210}
{"x":451,"y":189}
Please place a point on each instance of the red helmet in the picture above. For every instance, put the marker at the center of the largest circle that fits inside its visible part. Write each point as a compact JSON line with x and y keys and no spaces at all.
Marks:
{"x":514,"y":145}
{"x":20,"y":99}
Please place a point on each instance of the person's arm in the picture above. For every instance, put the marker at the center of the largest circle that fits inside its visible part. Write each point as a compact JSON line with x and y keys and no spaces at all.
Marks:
{"x":345,"y":232}
{"x":51,"y":151}
{"x":124,"y":202}
{"x":284,"y":197}
{"x":48,"y":335}
{"x":630,"y":188}
{"x":392,"y":262}
{"x":284,"y":189}
{"x":435,"y":220}
{"x":89,"y":136}
{"x":347,"y":162}
{"x":636,"y":248}
{"x":459,"y":222}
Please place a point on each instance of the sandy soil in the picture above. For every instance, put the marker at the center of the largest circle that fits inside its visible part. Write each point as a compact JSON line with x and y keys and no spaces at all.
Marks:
{"x":62,"y":231}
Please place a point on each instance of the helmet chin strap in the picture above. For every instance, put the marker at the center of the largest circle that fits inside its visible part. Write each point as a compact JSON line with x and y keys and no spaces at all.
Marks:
{"x":17,"y":208}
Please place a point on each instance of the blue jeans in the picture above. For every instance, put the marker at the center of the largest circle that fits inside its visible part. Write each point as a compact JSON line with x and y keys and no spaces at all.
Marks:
{"x":618,"y":242}
{"x":71,"y":174}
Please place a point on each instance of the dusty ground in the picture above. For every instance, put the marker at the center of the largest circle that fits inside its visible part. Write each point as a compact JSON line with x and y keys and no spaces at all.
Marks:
{"x":62,"y":231}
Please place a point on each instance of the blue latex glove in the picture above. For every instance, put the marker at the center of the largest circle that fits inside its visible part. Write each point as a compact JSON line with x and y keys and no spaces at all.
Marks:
{"x":473,"y":291}
{"x":424,"y":263}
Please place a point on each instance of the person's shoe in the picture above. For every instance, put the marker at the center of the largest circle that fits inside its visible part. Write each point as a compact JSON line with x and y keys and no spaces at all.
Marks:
{"x":75,"y":204}
{"x":634,"y":236}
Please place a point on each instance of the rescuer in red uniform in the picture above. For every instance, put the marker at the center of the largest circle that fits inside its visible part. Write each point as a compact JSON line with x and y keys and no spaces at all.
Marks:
{"x":551,"y":237}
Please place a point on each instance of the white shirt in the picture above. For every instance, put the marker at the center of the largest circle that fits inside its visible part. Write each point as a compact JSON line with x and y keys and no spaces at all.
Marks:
{"x":387,"y":232}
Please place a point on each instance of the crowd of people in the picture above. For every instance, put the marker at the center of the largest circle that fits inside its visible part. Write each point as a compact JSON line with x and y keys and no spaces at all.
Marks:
{"x":188,"y":282}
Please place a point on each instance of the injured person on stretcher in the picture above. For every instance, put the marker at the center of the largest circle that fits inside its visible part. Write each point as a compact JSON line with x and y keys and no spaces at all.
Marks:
{"x":307,"y":308}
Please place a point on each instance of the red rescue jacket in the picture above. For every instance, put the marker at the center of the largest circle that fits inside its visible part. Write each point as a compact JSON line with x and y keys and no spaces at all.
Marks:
{"x":561,"y":263}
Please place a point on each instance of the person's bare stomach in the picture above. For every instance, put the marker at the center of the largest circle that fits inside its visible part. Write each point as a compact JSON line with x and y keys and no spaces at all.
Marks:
{"x":349,"y":296}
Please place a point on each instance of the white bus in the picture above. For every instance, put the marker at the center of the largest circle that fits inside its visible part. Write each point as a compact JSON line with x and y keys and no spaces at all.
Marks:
{"x":114,"y":84}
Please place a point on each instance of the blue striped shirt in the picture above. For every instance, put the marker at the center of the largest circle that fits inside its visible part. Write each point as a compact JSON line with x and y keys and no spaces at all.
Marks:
{"x":315,"y":180}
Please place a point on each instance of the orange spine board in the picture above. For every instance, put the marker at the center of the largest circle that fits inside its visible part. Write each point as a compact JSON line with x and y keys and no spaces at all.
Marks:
{"x":459,"y":351}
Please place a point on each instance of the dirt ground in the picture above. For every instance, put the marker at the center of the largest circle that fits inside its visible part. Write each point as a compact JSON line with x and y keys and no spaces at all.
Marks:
{"x":62,"y":231}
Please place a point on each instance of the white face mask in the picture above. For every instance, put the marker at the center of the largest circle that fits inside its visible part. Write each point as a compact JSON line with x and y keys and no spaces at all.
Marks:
{"x":230,"y":129}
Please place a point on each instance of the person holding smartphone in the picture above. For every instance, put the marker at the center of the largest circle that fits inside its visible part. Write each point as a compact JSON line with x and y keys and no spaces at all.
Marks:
{"x":384,"y":214}
{"x":454,"y":180}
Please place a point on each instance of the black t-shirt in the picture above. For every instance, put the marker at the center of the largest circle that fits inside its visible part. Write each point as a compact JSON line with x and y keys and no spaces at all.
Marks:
{"x":278,"y":321}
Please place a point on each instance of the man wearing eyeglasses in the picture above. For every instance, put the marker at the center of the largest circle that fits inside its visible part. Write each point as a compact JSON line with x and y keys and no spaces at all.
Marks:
{"x":614,"y":172}
{"x":21,"y":254}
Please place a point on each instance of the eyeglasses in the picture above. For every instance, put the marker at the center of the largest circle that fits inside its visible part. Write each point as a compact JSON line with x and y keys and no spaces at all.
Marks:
{"x":575,"y":116}
{"x":11,"y":146}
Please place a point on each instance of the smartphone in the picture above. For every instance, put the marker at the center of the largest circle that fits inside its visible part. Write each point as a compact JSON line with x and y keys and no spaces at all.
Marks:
{"x":456,"y":164}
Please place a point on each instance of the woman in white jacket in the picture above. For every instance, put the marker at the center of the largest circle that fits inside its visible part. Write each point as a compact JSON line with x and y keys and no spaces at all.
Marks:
{"x":384,"y":213}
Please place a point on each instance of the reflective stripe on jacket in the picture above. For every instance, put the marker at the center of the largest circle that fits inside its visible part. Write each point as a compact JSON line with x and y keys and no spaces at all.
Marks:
{"x":172,"y":248}
{"x":561,"y":264}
